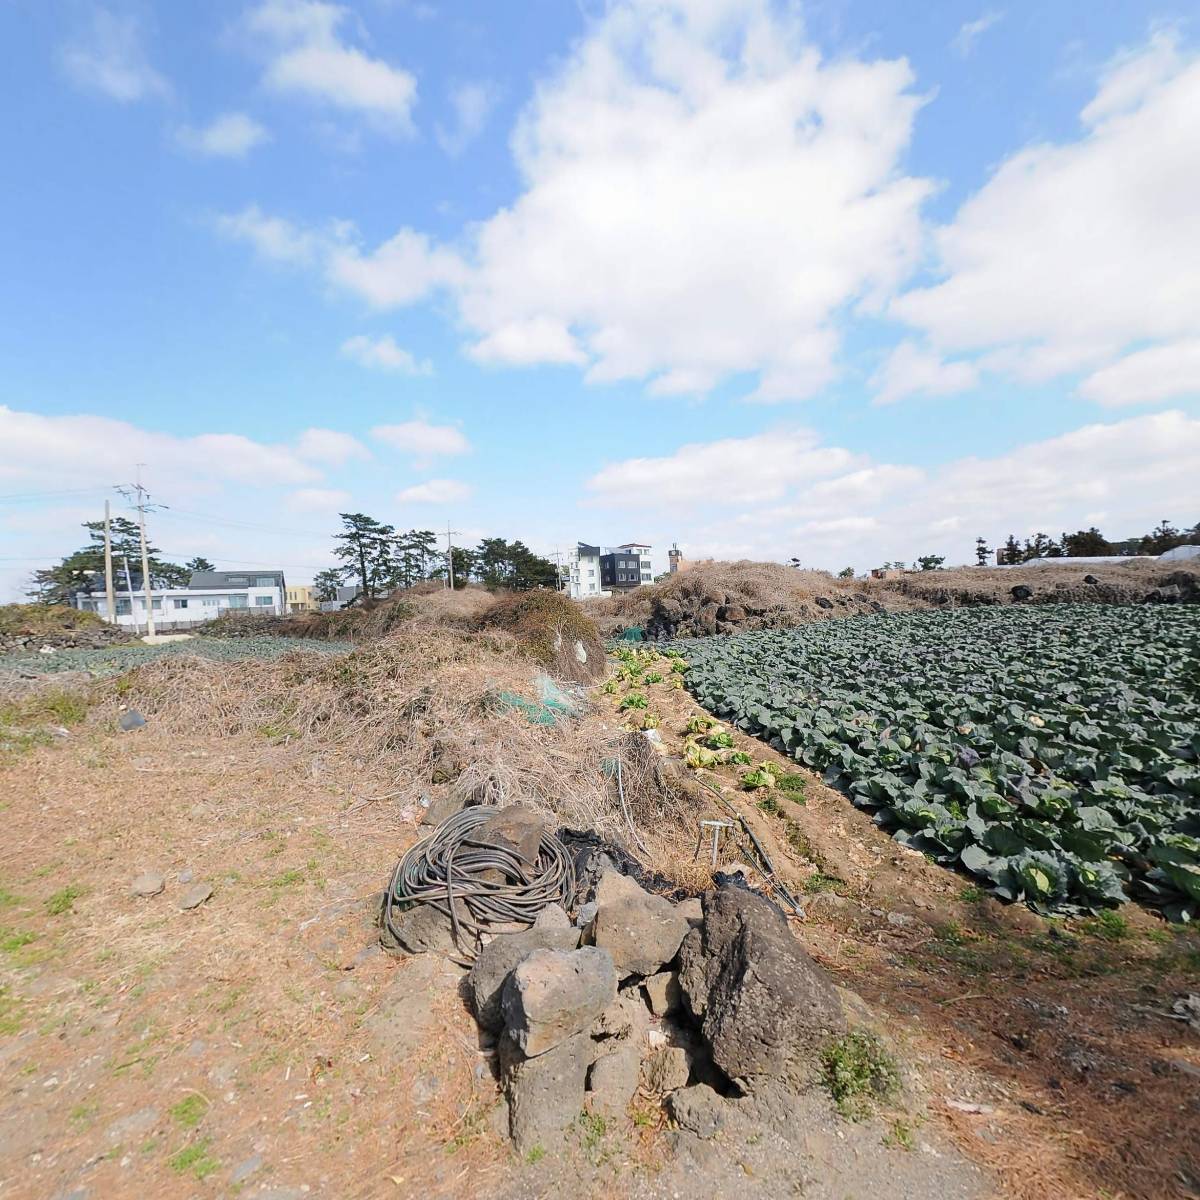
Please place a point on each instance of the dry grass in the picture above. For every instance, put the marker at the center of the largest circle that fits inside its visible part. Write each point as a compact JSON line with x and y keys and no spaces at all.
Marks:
{"x":551,"y":629}
{"x":422,"y":710}
{"x":1121,"y":581}
{"x":45,"y":618}
{"x":761,"y":595}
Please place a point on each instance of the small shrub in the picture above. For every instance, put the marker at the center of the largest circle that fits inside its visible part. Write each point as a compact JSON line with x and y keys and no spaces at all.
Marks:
{"x":633,"y":700}
{"x":858,"y":1071}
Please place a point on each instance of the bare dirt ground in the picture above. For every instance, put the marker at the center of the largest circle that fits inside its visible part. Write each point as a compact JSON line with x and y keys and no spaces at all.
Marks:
{"x":259,"y":1045}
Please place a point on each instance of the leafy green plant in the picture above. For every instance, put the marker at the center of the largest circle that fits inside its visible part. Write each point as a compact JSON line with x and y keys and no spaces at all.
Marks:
{"x":739,"y":758}
{"x":633,"y":700}
{"x":720,"y":739}
{"x":653,"y":677}
{"x":763,"y":776}
{"x":1049,"y":751}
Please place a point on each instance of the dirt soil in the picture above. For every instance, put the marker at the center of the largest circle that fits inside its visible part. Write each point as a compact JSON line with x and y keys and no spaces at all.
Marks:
{"x":1043,"y":1047}
{"x":260,"y":1045}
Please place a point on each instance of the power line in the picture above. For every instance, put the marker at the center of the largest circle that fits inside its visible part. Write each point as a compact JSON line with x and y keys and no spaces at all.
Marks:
{"x":100,"y":487}
{"x":184,"y":515}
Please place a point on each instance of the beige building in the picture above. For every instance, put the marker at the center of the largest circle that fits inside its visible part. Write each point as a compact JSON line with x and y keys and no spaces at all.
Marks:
{"x":302,"y":599}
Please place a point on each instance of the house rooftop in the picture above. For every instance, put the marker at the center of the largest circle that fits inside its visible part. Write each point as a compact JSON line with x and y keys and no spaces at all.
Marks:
{"x":205,"y":580}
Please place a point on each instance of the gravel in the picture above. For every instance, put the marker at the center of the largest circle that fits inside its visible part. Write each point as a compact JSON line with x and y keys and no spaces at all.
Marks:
{"x":113,"y":660}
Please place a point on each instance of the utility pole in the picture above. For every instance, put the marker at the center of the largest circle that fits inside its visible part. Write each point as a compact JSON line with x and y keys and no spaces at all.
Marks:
{"x":142,"y":505}
{"x":129,"y":589}
{"x":110,"y":598}
{"x":450,"y":554}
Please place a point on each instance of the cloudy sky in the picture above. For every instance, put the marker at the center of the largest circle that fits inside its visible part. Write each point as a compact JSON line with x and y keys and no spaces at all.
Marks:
{"x":847,"y":281}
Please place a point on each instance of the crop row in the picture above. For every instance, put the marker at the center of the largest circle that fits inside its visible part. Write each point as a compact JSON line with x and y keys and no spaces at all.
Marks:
{"x":1052,"y":752}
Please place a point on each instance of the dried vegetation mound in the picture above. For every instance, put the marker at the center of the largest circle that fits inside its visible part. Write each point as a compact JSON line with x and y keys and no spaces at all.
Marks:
{"x":729,"y":597}
{"x":1119,"y":582}
{"x":424,"y":713}
{"x":26,"y":626}
{"x":551,"y":629}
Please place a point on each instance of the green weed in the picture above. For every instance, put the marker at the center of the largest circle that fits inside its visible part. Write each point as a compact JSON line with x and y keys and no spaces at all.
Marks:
{"x":63,"y":901}
{"x":858,"y":1071}
{"x":189,"y":1111}
{"x":194,"y":1158}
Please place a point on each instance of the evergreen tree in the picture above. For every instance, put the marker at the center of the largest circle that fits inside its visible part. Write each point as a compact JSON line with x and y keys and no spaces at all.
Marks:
{"x":1086,"y":543}
{"x":199,"y":563}
{"x":326,"y":583}
{"x":931,"y":562}
{"x":365,"y":551}
{"x":1011,"y":552}
{"x":983,"y":552}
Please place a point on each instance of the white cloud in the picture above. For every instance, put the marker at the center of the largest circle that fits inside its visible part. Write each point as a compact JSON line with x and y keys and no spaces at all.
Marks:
{"x":436,"y":491}
{"x":702,"y":196}
{"x":1076,"y":253}
{"x":319,"y":500}
{"x":329,"y":446}
{"x":308,"y":57}
{"x":525,"y":343}
{"x":971,"y":31}
{"x":843,"y":510}
{"x":423,"y":440}
{"x":747,"y":470}
{"x":273,"y":238}
{"x":109,"y":59}
{"x":404,"y":269}
{"x":231,"y":135}
{"x":1169,"y":372}
{"x":382,"y":354}
{"x":36,"y":448}
{"x":472,"y":104}
{"x":911,"y":371}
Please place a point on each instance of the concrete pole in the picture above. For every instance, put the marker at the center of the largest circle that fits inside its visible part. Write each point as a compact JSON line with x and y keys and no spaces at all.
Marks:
{"x":110,"y":596}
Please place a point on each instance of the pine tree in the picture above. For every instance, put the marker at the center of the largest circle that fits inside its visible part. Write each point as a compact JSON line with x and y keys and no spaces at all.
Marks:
{"x":983,"y":552}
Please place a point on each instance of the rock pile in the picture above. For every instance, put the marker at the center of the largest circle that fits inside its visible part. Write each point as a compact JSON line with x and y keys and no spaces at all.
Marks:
{"x":30,"y":641}
{"x":694,"y":1005}
{"x":704,"y":613}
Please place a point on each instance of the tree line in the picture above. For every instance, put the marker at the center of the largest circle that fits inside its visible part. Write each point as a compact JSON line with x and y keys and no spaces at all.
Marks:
{"x":1086,"y":543}
{"x":83,"y":570}
{"x":379,"y":559}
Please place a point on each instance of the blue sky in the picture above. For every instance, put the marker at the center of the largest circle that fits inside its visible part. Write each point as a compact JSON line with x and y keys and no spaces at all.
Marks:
{"x":844,"y":281}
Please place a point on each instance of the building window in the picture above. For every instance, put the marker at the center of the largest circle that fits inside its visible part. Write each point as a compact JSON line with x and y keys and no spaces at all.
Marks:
{"x":209,"y":601}
{"x":123,"y":608}
{"x":156,"y":603}
{"x":265,"y":581}
{"x":180,"y":603}
{"x":238,"y":580}
{"x":238,"y":602}
{"x":261,"y":601}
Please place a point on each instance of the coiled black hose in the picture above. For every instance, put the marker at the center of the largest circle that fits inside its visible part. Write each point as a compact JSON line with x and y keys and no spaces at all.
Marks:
{"x":447,"y":870}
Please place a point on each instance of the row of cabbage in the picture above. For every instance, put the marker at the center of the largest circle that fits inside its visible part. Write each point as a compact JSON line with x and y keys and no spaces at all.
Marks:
{"x":1051,"y":751}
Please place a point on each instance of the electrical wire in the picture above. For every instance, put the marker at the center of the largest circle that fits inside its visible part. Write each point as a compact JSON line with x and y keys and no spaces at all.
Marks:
{"x":454,"y":871}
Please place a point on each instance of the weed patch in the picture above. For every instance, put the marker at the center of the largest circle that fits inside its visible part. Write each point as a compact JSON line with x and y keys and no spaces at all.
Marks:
{"x":858,"y":1072}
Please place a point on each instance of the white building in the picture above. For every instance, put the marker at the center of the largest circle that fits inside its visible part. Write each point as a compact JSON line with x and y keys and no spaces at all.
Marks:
{"x":602,"y":570}
{"x":208,"y":595}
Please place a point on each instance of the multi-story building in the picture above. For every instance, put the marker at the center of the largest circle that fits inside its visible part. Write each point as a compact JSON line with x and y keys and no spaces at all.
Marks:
{"x":602,"y":570}
{"x":302,"y":599}
{"x":207,"y":595}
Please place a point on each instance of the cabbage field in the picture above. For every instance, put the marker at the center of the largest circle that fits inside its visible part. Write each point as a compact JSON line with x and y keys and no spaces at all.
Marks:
{"x":1052,"y":752}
